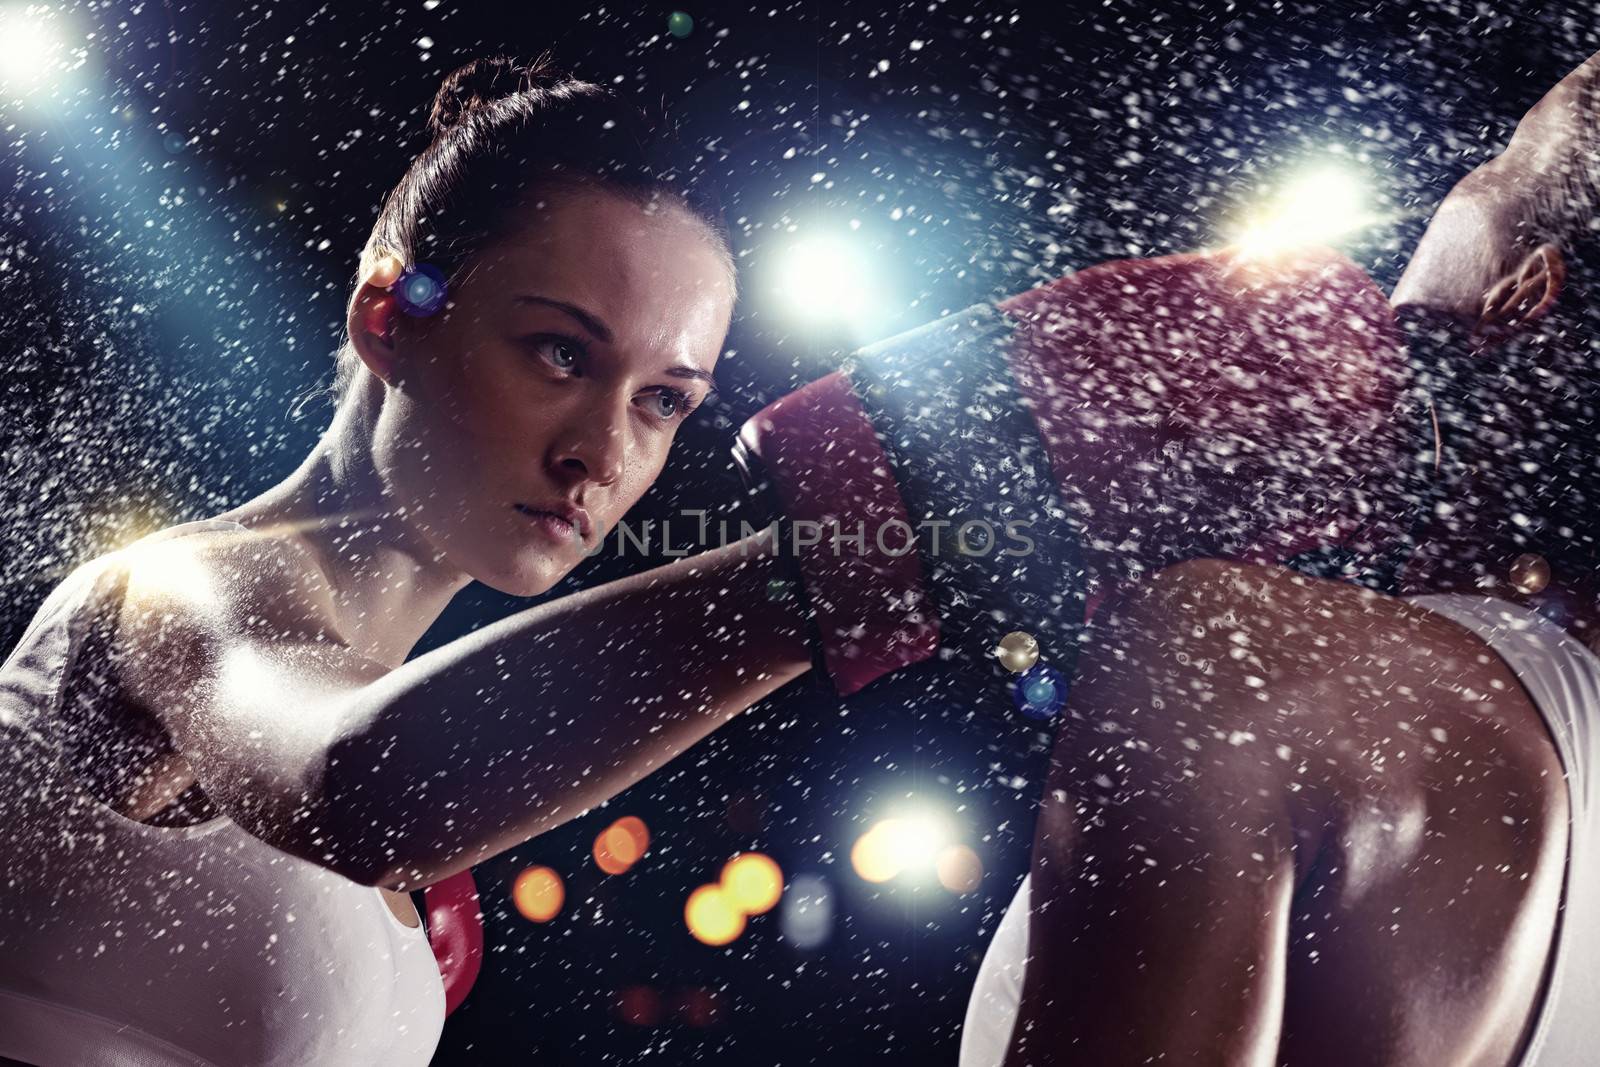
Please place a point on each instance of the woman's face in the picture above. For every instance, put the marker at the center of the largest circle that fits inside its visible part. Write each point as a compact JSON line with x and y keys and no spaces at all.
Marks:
{"x":560,"y":369}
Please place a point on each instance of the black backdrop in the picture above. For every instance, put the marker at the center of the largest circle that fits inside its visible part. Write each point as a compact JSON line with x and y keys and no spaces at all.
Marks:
{"x":175,"y":252}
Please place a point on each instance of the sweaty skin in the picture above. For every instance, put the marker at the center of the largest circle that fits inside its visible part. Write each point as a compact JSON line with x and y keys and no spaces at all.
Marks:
{"x":274,"y":674}
{"x":1290,"y":821}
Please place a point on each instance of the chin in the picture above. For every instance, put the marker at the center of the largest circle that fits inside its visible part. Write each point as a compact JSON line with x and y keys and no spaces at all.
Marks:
{"x":501,"y":557}
{"x":524,"y":575}
{"x":514,"y":580}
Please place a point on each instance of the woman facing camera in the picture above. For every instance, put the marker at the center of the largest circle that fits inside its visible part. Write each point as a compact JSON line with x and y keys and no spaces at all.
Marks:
{"x":221,"y":776}
{"x":221,"y":771}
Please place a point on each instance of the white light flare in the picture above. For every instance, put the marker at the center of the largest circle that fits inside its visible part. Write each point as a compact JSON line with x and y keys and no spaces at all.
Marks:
{"x":904,"y":844}
{"x":31,"y":47}
{"x":1317,"y":207}
{"x":916,"y":840}
{"x":826,"y":279}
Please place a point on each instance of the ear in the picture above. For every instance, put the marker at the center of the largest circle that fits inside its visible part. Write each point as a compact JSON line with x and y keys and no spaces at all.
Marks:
{"x":1525,"y":294}
{"x":373,"y":315}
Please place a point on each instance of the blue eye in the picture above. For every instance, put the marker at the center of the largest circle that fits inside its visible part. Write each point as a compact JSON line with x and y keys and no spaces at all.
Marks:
{"x":566,"y":354}
{"x":680,"y":400}
{"x":558,"y":345}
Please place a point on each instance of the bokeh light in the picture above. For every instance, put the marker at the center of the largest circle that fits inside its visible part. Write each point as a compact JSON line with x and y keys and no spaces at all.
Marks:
{"x":900,"y":844}
{"x":753,"y":881}
{"x":699,"y":1007}
{"x":639,"y":1005}
{"x":1039,"y":691}
{"x":620,"y":845}
{"x":638,"y":832}
{"x":538,"y":894}
{"x":915,"y":840}
{"x":872,"y":857}
{"x":712,"y":916}
{"x":420,"y":290}
{"x":1315,"y":207}
{"x":959,"y":869}
{"x":806,"y":919}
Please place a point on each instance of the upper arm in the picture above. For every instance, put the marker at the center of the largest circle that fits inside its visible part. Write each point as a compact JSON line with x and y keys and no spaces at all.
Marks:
{"x":229,"y":644}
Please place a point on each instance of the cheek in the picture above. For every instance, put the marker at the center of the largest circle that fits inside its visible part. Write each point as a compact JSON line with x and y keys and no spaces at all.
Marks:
{"x":481,"y":394}
{"x":642,"y":465}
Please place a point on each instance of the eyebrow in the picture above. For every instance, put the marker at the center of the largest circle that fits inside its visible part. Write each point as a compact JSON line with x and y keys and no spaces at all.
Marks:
{"x":599,"y":329}
{"x":589,"y":322}
{"x":695,"y":373}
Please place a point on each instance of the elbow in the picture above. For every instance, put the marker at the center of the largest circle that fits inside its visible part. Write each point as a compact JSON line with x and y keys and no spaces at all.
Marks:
{"x":377,"y":821}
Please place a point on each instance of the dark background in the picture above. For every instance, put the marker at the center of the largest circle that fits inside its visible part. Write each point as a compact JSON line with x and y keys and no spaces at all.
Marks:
{"x":178,"y":239}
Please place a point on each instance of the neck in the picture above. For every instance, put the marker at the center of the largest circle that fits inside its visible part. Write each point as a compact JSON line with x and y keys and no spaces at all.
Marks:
{"x":1503,"y":495}
{"x":389,"y":582}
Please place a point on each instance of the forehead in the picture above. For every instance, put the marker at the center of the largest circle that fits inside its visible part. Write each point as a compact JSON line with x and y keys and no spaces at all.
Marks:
{"x":652,"y":273}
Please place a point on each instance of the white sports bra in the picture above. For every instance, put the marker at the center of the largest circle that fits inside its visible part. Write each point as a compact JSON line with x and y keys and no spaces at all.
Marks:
{"x":124,"y":943}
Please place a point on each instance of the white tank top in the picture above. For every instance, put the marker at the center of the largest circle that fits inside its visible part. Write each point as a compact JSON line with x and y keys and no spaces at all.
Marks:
{"x":127,"y":943}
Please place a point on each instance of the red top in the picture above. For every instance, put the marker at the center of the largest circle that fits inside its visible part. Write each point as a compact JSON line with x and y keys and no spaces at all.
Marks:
{"x":1212,"y":405}
{"x":1193,"y":405}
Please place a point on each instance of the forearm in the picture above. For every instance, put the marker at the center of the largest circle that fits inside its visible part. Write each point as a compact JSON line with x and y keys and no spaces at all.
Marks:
{"x":512,"y":730}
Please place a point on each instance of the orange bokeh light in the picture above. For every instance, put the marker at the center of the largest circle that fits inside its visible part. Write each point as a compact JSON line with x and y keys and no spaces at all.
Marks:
{"x":875,"y":856}
{"x":639,"y":1006}
{"x":699,"y":1007}
{"x":712,"y":915}
{"x":753,"y":881}
{"x":608,"y":860}
{"x":538,"y":894}
{"x":638,"y":832}
{"x":620,"y":845}
{"x":959,"y":869}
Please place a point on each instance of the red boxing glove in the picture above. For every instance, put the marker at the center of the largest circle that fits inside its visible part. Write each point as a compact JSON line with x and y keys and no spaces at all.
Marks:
{"x":1195,"y":405}
{"x":455,"y":932}
{"x":821,"y":452}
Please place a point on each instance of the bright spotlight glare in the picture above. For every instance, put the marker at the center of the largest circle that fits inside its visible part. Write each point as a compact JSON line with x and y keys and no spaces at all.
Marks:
{"x":908,"y":843}
{"x":29,"y":47}
{"x":824,"y":278}
{"x":915,"y":840}
{"x":1315,"y":208}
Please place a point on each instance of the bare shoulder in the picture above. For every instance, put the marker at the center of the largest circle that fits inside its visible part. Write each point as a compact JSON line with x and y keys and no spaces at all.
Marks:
{"x":1366,"y":681}
{"x":244,"y":581}
{"x":209,"y":588}
{"x":196,"y":603}
{"x":227,"y":645}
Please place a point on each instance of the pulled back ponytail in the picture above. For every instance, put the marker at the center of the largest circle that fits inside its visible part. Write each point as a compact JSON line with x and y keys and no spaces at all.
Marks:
{"x":502,"y":128}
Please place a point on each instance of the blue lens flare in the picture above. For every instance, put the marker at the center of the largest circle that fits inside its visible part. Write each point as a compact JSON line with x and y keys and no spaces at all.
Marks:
{"x":1039,"y":692}
{"x":420,"y":290}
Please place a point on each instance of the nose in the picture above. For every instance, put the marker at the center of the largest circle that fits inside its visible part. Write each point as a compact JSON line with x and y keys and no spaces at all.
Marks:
{"x":591,"y":450}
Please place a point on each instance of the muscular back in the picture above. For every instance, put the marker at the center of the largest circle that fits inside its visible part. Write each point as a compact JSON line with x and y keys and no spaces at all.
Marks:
{"x":1294,"y":822}
{"x":1431,"y":867}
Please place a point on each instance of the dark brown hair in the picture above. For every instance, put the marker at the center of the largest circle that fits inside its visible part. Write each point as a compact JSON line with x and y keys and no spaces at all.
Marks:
{"x":501,"y":128}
